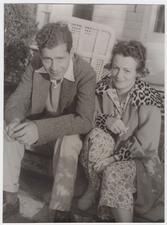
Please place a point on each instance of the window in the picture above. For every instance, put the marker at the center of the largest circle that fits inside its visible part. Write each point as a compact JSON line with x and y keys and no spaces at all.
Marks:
{"x":83,"y":11}
{"x":46,"y":17}
{"x":154,"y":23}
{"x":159,"y":26}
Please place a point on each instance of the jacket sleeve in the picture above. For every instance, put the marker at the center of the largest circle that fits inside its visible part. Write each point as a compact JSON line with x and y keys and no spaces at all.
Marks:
{"x":18,"y":104}
{"x":145,"y":141}
{"x":79,"y":123}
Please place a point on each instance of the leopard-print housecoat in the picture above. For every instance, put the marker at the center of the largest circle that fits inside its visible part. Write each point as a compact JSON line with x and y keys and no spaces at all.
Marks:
{"x":143,"y":118}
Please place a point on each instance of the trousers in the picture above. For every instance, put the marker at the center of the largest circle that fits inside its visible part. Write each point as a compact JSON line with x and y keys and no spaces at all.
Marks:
{"x":64,"y":168}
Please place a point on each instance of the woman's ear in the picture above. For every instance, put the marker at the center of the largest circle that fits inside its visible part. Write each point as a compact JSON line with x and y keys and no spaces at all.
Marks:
{"x":138,"y":75}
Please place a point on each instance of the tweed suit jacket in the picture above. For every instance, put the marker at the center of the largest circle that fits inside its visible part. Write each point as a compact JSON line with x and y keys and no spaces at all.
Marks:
{"x":76,"y":104}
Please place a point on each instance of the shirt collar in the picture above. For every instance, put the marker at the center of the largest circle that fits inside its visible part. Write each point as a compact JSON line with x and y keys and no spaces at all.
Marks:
{"x":69,"y":74}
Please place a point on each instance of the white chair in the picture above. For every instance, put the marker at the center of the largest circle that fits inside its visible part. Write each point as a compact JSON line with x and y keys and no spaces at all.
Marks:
{"x":93,"y":41}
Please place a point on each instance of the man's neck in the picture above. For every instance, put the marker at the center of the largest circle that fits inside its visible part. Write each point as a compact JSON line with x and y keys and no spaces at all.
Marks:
{"x":56,"y":82}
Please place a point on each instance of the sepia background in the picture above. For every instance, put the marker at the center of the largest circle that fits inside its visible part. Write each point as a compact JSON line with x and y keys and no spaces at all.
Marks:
{"x":145,"y":23}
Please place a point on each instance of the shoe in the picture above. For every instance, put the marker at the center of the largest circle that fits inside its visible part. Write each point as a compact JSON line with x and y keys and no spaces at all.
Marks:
{"x":87,"y":200}
{"x":104,"y":215}
{"x":104,"y":220}
{"x":62,"y":216}
{"x":10,"y":209}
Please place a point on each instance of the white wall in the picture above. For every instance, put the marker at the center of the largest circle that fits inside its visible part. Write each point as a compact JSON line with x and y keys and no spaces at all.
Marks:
{"x":129,"y":22}
{"x":56,"y":10}
{"x":112,"y":15}
{"x":61,"y":10}
{"x":133,"y":22}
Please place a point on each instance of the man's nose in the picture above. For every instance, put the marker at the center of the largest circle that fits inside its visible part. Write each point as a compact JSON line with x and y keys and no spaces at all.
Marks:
{"x":54,"y":64}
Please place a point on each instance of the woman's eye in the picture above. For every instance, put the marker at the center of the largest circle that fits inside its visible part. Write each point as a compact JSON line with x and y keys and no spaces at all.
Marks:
{"x":115,"y":70}
{"x":127,"y":71}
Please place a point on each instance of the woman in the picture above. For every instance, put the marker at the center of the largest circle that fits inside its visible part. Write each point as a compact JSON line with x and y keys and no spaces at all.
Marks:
{"x":120,"y":154}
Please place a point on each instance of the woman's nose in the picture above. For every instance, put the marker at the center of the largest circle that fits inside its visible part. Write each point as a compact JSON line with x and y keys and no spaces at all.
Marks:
{"x":119,"y":74}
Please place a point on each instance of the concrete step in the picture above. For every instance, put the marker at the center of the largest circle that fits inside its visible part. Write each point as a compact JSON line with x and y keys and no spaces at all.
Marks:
{"x":34,"y":195}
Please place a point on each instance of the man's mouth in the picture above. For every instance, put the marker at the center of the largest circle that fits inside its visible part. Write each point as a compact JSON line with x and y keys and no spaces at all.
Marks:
{"x":55,"y":74}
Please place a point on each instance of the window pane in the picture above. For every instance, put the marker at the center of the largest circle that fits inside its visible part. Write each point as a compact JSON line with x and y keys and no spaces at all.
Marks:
{"x":83,"y":11}
{"x":46,"y":17}
{"x":160,"y":20}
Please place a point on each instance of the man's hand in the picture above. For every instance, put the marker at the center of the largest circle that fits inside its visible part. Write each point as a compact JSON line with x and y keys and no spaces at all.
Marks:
{"x":10,"y":128}
{"x":26,"y":133}
{"x":116,"y":126}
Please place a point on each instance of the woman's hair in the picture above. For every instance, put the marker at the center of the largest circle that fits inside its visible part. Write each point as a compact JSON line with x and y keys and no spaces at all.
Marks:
{"x":134,"y":49}
{"x":52,"y":34}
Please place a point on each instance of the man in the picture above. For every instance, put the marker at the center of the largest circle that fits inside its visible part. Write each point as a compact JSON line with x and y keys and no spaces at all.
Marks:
{"x":60,"y":96}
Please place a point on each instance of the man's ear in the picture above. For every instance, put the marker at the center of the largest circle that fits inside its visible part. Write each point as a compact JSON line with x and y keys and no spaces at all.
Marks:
{"x":36,"y":60}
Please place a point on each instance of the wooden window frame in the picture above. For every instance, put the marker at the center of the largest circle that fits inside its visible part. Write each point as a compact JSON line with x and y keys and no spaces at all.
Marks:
{"x":148,"y":33}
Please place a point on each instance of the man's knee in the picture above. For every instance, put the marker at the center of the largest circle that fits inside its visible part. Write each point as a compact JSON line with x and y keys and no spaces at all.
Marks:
{"x":13,"y":146}
{"x":71,"y":145}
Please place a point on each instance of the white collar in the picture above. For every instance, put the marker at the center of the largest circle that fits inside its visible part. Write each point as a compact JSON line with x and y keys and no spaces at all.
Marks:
{"x":69,"y":74}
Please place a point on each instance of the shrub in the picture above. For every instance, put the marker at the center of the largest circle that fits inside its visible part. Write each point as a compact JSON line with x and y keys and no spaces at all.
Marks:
{"x":19,"y":30}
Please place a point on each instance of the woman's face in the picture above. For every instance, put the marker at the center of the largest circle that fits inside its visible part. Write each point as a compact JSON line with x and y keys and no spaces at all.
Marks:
{"x":124,"y":72}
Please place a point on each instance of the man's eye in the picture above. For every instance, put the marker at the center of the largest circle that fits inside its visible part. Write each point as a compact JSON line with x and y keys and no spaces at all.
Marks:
{"x":47,"y":60}
{"x":115,"y":69}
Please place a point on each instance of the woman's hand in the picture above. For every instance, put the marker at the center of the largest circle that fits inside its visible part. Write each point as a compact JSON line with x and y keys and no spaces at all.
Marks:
{"x":116,"y":126}
{"x":103,"y":163}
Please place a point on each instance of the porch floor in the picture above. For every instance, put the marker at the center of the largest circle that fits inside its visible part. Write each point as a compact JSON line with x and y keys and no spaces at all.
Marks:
{"x":34,"y":195}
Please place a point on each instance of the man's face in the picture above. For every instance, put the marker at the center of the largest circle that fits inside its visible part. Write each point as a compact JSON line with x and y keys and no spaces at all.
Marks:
{"x":56,"y":61}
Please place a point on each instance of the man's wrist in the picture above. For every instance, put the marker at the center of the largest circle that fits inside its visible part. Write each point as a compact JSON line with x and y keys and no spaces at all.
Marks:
{"x":16,"y":120}
{"x":37,"y":132}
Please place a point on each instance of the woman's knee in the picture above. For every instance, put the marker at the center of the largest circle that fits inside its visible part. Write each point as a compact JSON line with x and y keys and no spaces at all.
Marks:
{"x":121,"y":177}
{"x":100,"y":145}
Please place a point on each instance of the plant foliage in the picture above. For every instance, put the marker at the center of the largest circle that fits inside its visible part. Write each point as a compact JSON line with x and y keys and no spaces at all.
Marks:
{"x":19,"y":30}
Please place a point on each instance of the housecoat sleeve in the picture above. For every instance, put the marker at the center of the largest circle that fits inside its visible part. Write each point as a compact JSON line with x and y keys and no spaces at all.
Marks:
{"x":143,"y":144}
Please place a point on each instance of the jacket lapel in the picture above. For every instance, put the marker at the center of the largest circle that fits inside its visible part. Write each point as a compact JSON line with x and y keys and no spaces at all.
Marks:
{"x":130,"y":119}
{"x":41,"y":86}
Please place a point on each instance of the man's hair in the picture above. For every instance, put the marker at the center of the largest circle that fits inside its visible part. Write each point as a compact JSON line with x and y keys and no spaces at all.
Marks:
{"x":53,"y":34}
{"x":134,"y":49}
